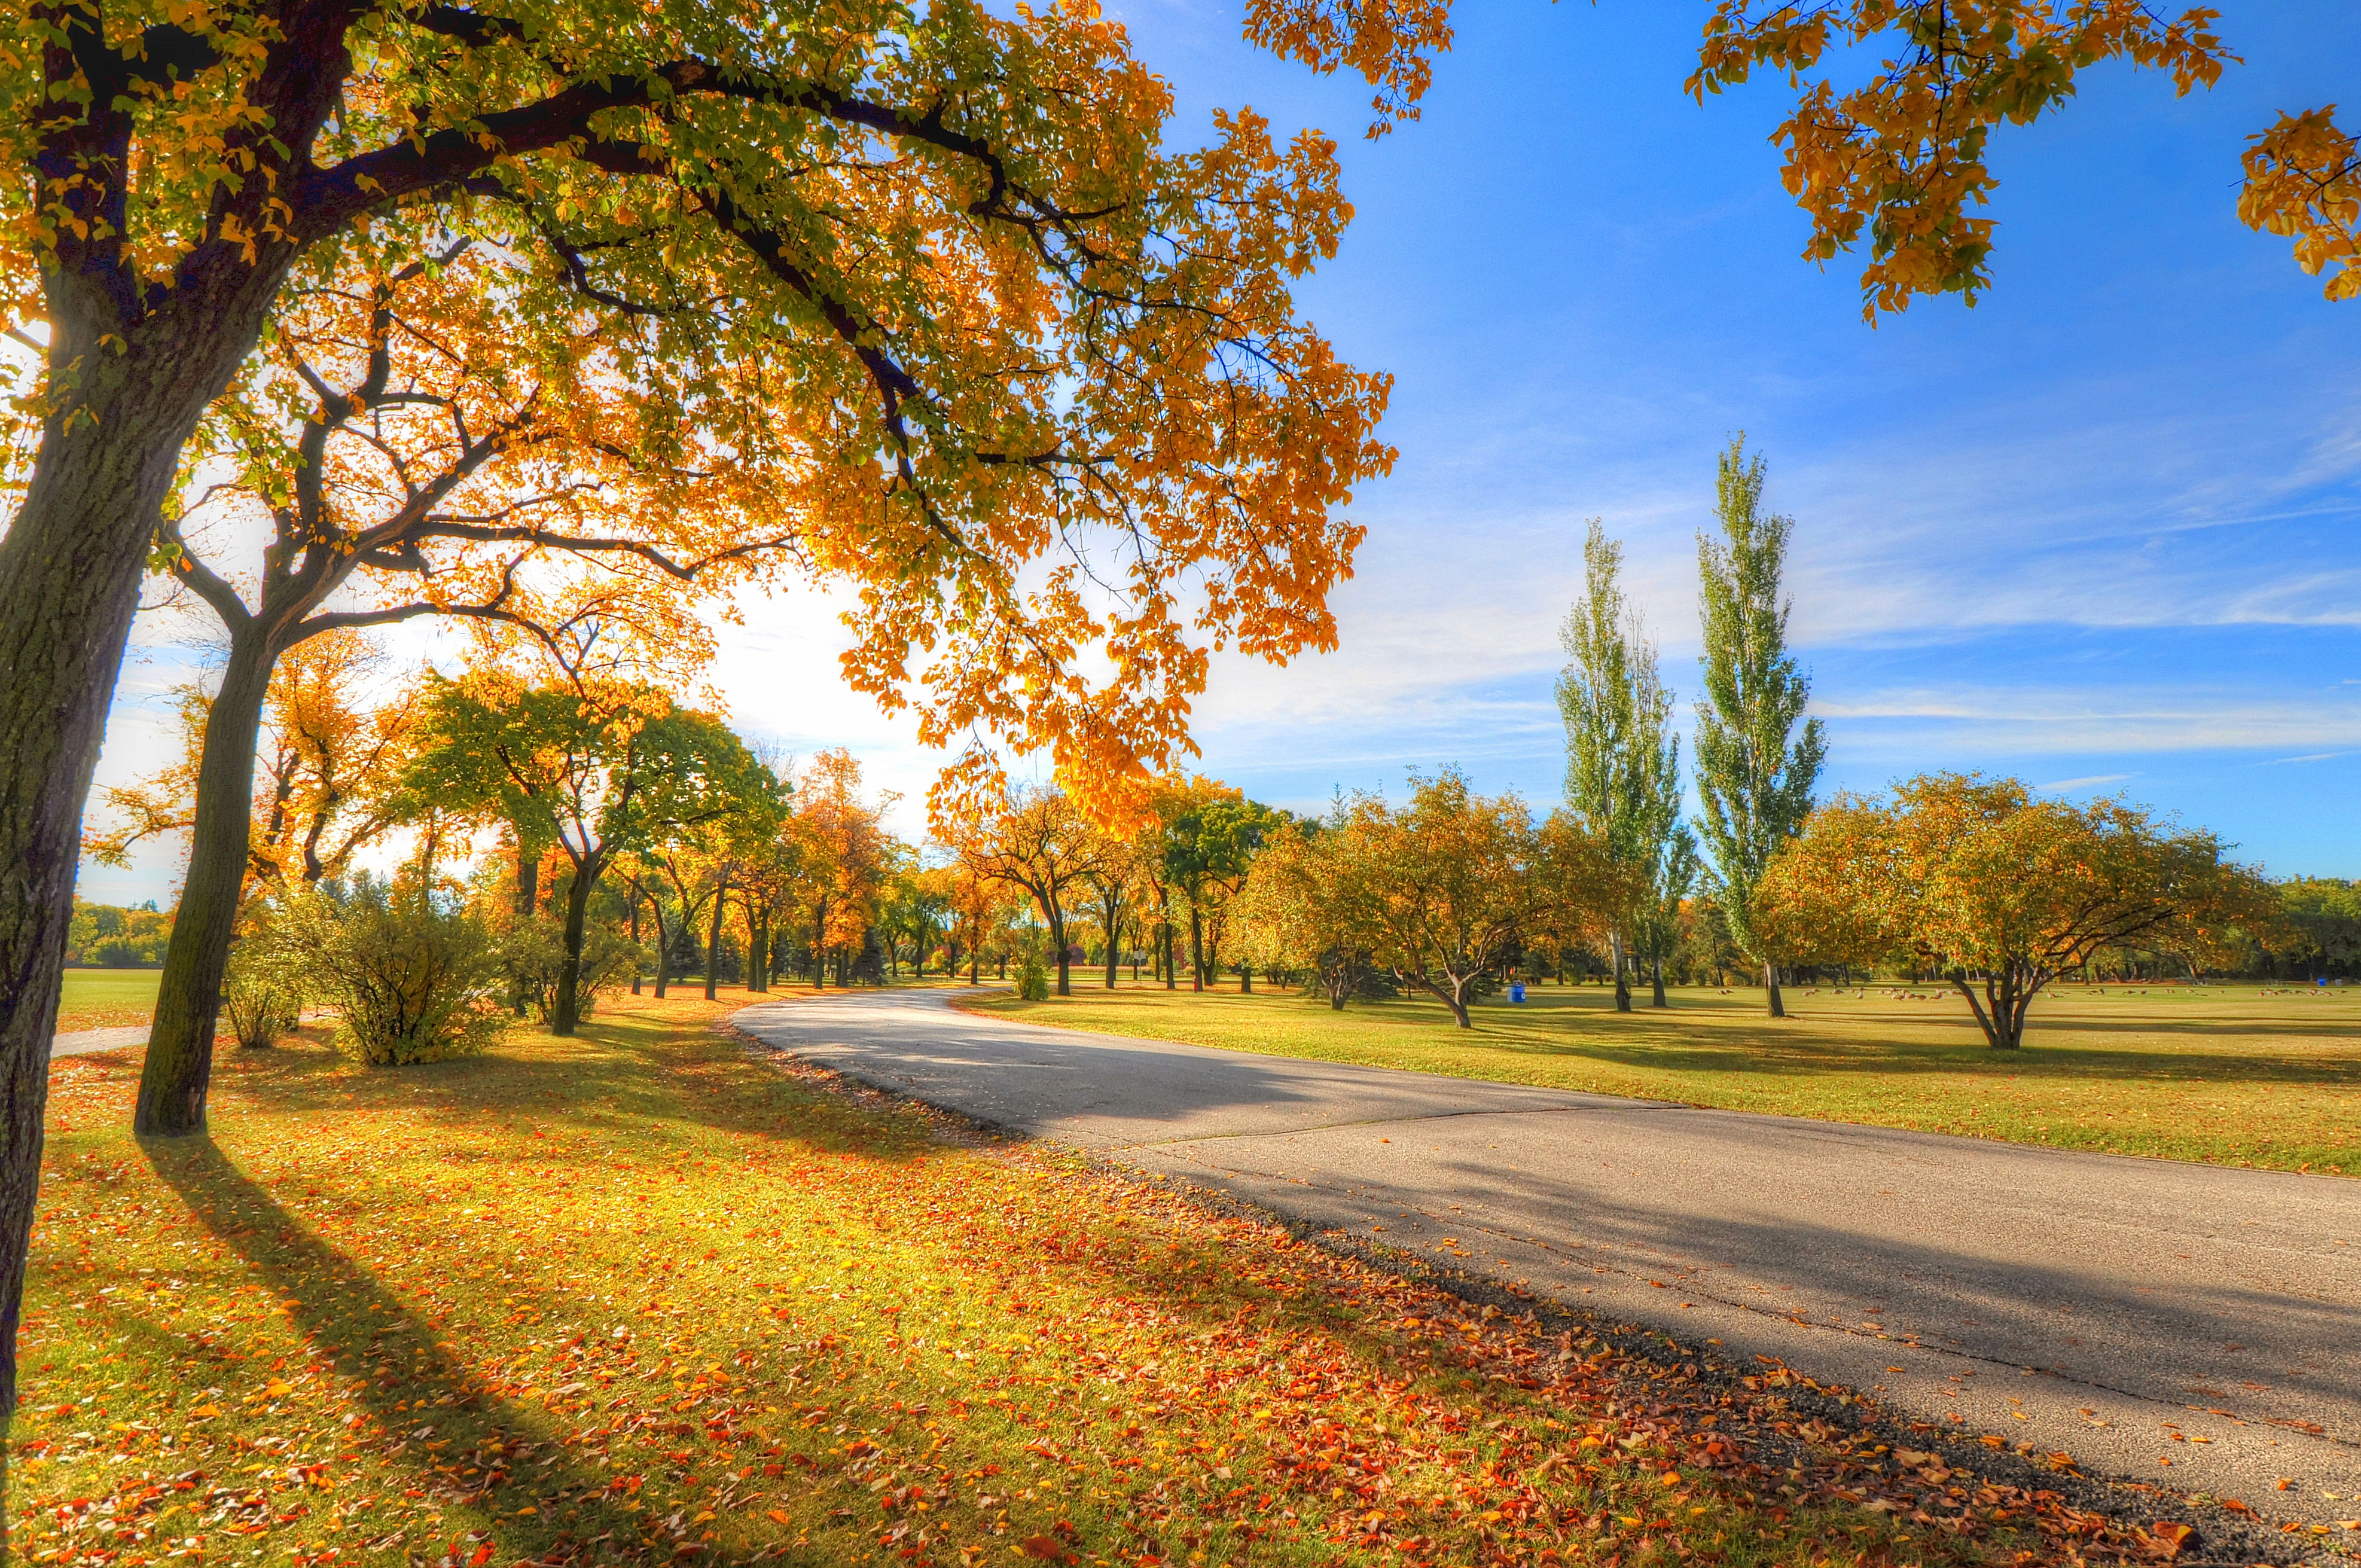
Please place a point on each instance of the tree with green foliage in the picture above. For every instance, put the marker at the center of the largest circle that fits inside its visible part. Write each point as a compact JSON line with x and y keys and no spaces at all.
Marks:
{"x":1207,"y":837}
{"x":594,"y":771}
{"x":1623,"y":759}
{"x":2321,"y":935}
{"x":917,"y":907}
{"x":1657,"y":928}
{"x":1758,"y":758}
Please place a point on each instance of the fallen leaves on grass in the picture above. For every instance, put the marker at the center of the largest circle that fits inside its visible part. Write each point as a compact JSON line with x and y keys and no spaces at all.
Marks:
{"x":637,"y":1297}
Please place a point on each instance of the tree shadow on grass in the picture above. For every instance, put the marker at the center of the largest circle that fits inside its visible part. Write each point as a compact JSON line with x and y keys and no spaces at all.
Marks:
{"x":1798,"y":1049}
{"x":402,"y":1374}
{"x":621,"y":1071}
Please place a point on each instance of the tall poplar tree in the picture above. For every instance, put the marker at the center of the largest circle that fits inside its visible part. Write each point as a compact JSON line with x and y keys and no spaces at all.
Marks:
{"x":1622,"y":759}
{"x":1758,"y":757}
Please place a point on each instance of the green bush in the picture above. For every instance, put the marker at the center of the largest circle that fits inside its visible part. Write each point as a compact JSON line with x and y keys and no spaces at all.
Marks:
{"x":263,"y":991}
{"x":533,"y":956}
{"x":418,"y":977}
{"x":1032,"y":981}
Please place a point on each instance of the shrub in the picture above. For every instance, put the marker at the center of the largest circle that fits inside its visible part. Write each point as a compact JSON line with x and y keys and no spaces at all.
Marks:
{"x":417,"y":977}
{"x":1032,"y":981}
{"x":533,"y":956}
{"x":263,"y":992}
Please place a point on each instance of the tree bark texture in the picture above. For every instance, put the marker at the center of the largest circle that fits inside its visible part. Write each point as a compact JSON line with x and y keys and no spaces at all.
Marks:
{"x":2000,"y":1011}
{"x":1771,"y":990}
{"x":713,"y":937}
{"x":1656,"y":984}
{"x":1623,"y":973}
{"x":70,"y":571}
{"x":567,"y":1015}
{"x":179,"y":1067}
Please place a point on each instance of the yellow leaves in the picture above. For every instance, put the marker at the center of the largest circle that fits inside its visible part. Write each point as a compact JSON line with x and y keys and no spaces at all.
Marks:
{"x":2303,"y":180}
{"x":1390,"y":46}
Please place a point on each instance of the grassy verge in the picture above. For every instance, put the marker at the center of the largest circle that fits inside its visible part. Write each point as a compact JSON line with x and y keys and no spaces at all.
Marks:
{"x":2242,"y":1075}
{"x":108,"y":998}
{"x":642,"y":1298}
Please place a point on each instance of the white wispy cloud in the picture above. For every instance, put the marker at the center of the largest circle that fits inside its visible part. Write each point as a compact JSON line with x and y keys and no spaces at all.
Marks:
{"x":2088,"y":781}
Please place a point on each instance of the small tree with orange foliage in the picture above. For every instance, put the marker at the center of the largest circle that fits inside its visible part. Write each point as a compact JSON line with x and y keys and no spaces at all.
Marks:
{"x":844,"y":840}
{"x":331,"y":762}
{"x":1039,"y":840}
{"x":1453,"y":885}
{"x":2001,"y":892}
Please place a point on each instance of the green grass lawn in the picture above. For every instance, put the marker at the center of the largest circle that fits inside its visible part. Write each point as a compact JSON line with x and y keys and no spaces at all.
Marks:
{"x":107,"y":998}
{"x":2235,"y":1075}
{"x":643,"y":1298}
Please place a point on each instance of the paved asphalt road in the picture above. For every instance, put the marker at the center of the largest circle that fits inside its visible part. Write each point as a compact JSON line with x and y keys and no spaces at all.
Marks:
{"x":2181,"y":1323}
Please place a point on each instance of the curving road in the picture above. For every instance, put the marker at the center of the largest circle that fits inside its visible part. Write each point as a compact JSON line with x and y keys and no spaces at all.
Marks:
{"x":2181,"y":1323}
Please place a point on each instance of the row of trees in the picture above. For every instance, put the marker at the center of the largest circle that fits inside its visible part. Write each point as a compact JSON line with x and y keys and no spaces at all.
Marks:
{"x":1442,"y":894}
{"x":544,"y":321}
{"x":1758,"y":757}
{"x":1973,"y":879}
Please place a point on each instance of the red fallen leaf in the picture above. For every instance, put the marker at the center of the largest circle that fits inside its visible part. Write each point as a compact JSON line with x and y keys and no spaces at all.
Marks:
{"x":483,"y":1555}
{"x":2172,"y":1537}
{"x":1041,"y":1546}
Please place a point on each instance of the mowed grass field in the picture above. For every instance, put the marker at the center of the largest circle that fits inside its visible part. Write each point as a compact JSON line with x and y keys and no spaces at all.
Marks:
{"x":108,"y":998}
{"x":2231,"y":1074}
{"x":644,"y":1297}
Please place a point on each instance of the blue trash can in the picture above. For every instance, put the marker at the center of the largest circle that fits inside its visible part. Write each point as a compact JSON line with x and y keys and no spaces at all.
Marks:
{"x":1516,"y":991}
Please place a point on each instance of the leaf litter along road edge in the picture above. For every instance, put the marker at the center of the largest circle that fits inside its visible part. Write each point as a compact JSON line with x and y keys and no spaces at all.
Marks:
{"x":1828,"y":1442}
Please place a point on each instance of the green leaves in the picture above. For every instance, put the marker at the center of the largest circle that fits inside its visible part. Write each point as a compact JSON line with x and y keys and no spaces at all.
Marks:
{"x":1755,"y":768}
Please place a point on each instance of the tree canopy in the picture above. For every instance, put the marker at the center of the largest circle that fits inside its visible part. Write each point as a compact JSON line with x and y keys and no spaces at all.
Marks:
{"x":595,"y":771}
{"x":2001,"y":892}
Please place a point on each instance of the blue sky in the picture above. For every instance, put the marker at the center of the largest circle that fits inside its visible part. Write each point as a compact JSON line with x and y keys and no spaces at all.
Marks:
{"x":2099,"y":532}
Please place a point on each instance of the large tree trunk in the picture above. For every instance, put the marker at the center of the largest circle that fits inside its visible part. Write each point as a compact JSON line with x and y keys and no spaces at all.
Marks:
{"x":1656,"y":983}
{"x":2000,"y":1012}
{"x":70,"y":571}
{"x":1771,"y":988}
{"x":175,"y":1076}
{"x":1623,"y":973}
{"x":528,"y":881}
{"x":713,"y":936}
{"x":1113,"y":931}
{"x":758,"y":949}
{"x":1196,"y":950}
{"x":1171,"y":981}
{"x":1245,"y":980}
{"x":664,"y":946}
{"x":1058,"y":935}
{"x":567,"y":1013}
